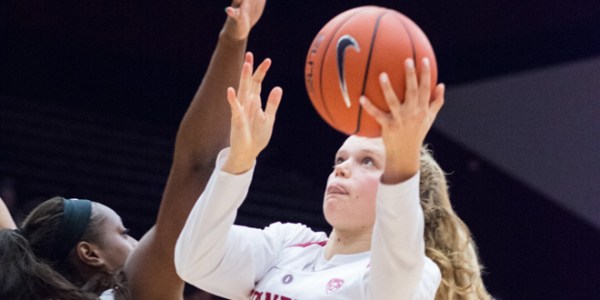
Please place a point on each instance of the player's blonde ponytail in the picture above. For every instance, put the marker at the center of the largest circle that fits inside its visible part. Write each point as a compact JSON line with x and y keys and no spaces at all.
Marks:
{"x":448,"y":241}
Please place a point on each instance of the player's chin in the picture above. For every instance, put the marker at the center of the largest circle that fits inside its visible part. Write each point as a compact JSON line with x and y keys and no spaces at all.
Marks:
{"x":334,"y":202}
{"x":333,"y":207}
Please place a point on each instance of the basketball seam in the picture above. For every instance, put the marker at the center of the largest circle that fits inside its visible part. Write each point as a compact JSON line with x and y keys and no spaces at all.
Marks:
{"x":410,"y":38}
{"x":323,"y":102}
{"x":362,"y":92}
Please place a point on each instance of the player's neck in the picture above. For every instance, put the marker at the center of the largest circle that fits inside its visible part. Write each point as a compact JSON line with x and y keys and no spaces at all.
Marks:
{"x":344,"y":242}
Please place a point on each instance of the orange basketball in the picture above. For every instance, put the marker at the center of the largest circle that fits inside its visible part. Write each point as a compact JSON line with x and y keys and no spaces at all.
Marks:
{"x":348,"y":54}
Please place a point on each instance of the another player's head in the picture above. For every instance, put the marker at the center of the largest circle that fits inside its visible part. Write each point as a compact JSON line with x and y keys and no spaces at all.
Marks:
{"x":66,"y":245}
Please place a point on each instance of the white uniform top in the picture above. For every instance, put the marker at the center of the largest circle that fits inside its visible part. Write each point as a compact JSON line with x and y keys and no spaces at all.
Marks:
{"x":286,"y":261}
{"x":108,"y":295}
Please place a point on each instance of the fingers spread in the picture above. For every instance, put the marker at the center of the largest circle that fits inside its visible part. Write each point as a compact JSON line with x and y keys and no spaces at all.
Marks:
{"x":425,"y":83}
{"x":259,"y":76}
{"x":438,"y":100}
{"x":372,"y":110}
{"x":245,"y":81}
{"x":249,"y":58}
{"x":412,"y":86}
{"x":233,"y":103}
{"x":262,"y":69}
{"x":273,"y":102}
{"x":232,"y":12}
{"x":388,"y":92}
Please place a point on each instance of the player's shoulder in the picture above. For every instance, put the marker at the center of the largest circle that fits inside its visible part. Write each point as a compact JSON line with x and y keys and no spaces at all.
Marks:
{"x":289,"y":227}
{"x":296,"y":233}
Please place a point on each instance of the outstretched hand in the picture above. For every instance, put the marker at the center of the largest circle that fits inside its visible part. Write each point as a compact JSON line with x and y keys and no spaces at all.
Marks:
{"x":242,"y":16}
{"x":405,"y":126}
{"x":251,"y":126}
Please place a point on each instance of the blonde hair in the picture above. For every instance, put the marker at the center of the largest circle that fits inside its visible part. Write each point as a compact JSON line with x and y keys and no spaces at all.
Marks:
{"x":448,"y":241}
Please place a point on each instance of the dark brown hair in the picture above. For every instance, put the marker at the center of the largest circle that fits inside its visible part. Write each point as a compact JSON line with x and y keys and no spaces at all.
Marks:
{"x":29,"y":273}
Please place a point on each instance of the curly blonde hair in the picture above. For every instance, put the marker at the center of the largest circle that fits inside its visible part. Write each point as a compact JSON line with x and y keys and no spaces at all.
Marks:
{"x":448,"y":241}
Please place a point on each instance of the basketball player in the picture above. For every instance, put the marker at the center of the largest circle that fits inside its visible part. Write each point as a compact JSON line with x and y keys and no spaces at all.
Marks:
{"x":94,"y":250}
{"x":376,"y":249}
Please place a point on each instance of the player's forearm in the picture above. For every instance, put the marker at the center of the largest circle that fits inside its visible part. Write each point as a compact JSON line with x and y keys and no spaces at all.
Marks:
{"x":398,"y":247}
{"x":204,"y":130}
{"x":202,"y":242}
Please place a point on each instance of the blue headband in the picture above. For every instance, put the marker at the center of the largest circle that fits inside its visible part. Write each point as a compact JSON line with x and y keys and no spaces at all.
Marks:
{"x":76,"y":217}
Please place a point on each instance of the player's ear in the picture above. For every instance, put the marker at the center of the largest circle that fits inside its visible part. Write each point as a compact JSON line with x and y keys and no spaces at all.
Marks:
{"x":89,"y":254}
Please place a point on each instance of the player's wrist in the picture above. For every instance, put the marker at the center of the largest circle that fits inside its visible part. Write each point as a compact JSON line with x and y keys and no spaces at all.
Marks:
{"x":232,"y":31}
{"x":238,"y":163}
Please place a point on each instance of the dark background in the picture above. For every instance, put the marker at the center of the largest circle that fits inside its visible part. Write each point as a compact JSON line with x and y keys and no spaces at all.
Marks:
{"x":91,"y":94}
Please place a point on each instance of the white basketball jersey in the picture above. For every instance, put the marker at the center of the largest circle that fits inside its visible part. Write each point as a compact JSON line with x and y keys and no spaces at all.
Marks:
{"x":303,"y":273}
{"x":286,"y":261}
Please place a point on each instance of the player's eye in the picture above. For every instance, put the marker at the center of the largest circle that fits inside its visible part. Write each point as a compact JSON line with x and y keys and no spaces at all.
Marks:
{"x":338,"y":160}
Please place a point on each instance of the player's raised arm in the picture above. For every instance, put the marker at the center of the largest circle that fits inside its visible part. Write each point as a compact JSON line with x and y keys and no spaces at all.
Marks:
{"x":203,"y":131}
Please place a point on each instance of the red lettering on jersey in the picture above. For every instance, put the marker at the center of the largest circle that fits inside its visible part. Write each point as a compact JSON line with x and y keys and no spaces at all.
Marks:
{"x":256,"y":295}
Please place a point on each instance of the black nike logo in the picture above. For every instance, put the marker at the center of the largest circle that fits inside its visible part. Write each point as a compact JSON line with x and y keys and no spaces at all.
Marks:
{"x":343,"y":43}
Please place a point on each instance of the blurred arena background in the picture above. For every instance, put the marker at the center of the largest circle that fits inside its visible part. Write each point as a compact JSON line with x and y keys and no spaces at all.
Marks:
{"x":91,"y":94}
